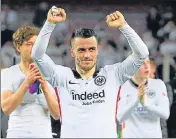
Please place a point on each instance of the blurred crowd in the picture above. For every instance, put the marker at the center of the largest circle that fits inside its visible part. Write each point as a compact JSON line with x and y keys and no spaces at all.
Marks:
{"x":157,"y":28}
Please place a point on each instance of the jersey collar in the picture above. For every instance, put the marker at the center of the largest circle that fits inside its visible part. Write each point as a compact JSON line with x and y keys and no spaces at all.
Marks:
{"x":135,"y":84}
{"x":77,"y":75}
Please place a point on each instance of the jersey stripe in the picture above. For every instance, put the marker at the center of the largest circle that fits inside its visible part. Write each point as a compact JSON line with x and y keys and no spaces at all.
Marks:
{"x":118,"y":97}
{"x":58,"y":99}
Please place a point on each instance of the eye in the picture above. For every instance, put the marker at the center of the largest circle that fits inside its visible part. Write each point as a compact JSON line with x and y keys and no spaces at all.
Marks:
{"x":92,"y":49}
{"x":81,"y":50}
{"x":29,"y":44}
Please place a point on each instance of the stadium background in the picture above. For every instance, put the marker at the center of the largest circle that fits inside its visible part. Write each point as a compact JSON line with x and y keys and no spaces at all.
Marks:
{"x":154,"y":21}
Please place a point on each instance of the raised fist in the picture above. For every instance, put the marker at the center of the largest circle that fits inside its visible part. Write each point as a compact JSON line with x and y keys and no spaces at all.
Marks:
{"x":56,"y":15}
{"x":115,"y":20}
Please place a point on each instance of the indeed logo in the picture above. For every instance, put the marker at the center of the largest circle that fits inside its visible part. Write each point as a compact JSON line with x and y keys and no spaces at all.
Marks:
{"x":141,"y":110}
{"x":88,"y":96}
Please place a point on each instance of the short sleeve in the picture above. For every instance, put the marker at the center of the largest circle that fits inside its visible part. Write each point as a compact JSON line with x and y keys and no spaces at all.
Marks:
{"x":6,"y":80}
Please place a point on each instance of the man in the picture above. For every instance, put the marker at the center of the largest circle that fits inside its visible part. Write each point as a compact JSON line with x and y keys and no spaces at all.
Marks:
{"x":143,"y":102}
{"x":87,"y":94}
{"x":28,"y":109}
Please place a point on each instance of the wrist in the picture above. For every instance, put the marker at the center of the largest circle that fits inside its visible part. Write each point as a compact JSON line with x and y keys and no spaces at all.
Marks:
{"x":123,"y":25}
{"x":26,"y":84}
{"x":52,"y":23}
{"x":44,"y":89}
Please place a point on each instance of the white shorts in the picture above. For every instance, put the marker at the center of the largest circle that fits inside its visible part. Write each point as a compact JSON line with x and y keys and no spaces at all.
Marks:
{"x":28,"y":134}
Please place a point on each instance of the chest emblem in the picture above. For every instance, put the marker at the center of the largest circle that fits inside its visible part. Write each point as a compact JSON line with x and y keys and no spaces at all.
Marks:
{"x":151,"y":94}
{"x":100,"y":80}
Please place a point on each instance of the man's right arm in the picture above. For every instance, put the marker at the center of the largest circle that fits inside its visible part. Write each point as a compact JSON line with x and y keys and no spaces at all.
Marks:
{"x":10,"y":100}
{"x":44,"y":62}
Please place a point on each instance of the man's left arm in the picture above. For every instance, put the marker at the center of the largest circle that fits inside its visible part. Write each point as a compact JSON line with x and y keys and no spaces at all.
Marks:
{"x":47,"y":98}
{"x":161,"y":108}
{"x":132,"y":63}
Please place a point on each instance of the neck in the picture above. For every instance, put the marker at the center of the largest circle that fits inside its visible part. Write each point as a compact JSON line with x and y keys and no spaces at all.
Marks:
{"x":139,"y":80}
{"x":85,"y":74}
{"x":24,"y":66}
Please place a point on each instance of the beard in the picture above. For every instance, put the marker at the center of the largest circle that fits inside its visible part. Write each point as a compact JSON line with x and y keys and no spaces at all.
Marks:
{"x":83,"y":67}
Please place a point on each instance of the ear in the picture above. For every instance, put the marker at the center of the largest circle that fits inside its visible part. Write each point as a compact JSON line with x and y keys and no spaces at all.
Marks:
{"x":72,"y":52}
{"x":97,"y":49}
{"x":18,"y":49}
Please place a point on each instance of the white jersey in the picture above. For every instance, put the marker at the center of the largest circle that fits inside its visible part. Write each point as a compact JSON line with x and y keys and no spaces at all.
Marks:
{"x":28,"y":119}
{"x":143,"y":121}
{"x":88,"y":106}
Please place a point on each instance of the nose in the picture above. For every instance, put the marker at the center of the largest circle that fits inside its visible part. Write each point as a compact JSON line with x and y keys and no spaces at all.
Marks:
{"x":146,"y":66}
{"x":87,"y":54}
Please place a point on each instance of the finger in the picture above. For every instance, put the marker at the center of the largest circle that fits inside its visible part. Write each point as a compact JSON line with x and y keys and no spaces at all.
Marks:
{"x":119,"y":14}
{"x":112,"y":17}
{"x":141,"y":91}
{"x":63,"y":13}
{"x":59,"y":11}
{"x":54,"y":11}
{"x":33,"y":71}
{"x":38,"y":77}
{"x":141,"y":95}
{"x":115,"y":15}
{"x":32,"y":67}
{"x":107,"y":18}
{"x":37,"y":74}
{"x":41,"y":80}
{"x":141,"y":86}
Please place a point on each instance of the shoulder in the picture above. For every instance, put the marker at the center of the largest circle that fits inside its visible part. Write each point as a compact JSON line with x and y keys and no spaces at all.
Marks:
{"x":63,"y":71}
{"x":157,"y":82}
{"x":62,"y":68}
{"x":10,"y":72}
{"x":111,"y":68}
{"x":126,"y":86}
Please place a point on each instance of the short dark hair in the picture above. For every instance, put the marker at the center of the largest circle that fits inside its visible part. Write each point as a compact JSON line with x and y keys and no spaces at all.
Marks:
{"x":83,"y":33}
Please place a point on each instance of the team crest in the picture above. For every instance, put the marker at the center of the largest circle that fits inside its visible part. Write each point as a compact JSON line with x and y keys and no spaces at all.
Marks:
{"x":151,"y":94}
{"x":100,"y":80}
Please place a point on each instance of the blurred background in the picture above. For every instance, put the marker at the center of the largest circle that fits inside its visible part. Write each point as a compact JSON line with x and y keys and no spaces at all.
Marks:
{"x":154,"y":21}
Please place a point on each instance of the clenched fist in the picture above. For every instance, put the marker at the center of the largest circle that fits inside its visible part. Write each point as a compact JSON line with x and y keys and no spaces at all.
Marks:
{"x":56,"y":15}
{"x":115,"y":20}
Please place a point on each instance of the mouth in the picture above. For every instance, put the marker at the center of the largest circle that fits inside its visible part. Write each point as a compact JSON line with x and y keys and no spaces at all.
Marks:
{"x":87,"y":61}
{"x":146,"y":72}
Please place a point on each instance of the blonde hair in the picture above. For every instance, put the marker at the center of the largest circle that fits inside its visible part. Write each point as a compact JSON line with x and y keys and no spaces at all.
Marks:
{"x":23,"y":34}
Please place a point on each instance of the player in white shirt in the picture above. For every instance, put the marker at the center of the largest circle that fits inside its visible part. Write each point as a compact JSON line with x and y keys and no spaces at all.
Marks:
{"x":87,"y":94}
{"x":143,"y":101}
{"x":28,"y":110}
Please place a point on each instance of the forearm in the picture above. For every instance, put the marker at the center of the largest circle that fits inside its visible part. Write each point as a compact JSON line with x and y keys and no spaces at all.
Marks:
{"x":137,"y":45}
{"x":43,"y":61}
{"x":13,"y":101}
{"x":42,"y":41}
{"x":160,"y":111}
{"x":126,"y":107}
{"x":52,"y":103}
